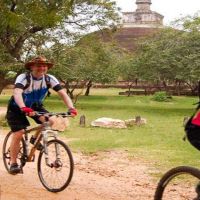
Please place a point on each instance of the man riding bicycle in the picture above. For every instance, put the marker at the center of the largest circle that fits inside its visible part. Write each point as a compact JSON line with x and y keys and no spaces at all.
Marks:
{"x":29,"y":92}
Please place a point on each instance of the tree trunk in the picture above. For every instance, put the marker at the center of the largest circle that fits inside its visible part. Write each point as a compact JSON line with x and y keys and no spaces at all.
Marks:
{"x":69,"y":92}
{"x":89,"y":85}
{"x":1,"y":89}
{"x":129,"y":88}
{"x":136,"y":81}
{"x":165,"y":86}
{"x":179,"y":88}
{"x":4,"y":82}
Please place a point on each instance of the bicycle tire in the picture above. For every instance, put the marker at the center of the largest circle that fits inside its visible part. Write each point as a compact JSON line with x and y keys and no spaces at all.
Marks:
{"x":66,"y":178}
{"x":5,"y":151}
{"x":170,"y":175}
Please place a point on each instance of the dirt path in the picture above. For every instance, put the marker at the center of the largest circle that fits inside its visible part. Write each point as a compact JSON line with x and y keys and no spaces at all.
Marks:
{"x":103,"y":176}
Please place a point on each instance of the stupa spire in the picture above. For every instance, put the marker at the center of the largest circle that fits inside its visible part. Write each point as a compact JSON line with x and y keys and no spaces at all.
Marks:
{"x":143,"y":16}
{"x":143,"y":5}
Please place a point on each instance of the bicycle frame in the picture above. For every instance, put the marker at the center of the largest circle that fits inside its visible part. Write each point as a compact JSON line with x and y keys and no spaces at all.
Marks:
{"x":46,"y":132}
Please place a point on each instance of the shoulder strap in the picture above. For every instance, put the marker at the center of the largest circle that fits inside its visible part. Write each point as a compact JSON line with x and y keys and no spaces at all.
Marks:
{"x":28,"y":79}
{"x":47,"y":79}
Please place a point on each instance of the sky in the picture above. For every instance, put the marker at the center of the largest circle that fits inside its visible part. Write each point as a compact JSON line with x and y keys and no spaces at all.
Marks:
{"x":170,"y":9}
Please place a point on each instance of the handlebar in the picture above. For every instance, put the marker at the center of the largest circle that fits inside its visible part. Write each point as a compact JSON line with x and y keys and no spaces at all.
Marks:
{"x":50,"y":114}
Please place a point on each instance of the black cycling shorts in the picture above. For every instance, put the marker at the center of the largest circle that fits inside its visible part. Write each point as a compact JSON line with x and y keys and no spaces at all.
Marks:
{"x":17,"y":120}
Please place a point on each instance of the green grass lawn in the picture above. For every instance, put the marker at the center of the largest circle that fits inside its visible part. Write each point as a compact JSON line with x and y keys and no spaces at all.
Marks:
{"x":159,"y":141}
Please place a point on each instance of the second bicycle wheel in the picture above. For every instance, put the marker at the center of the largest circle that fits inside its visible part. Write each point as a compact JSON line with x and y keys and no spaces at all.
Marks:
{"x":6,"y":152}
{"x":58,"y":175}
{"x":179,"y":183}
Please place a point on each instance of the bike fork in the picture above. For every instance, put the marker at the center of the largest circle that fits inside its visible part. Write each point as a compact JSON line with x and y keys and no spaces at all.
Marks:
{"x":46,"y":151}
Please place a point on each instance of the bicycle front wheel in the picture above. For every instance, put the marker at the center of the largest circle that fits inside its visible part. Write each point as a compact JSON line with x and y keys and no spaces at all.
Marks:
{"x":179,"y":183}
{"x":56,"y":176}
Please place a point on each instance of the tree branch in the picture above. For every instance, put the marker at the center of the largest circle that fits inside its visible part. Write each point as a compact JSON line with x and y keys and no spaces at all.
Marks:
{"x":14,"y":3}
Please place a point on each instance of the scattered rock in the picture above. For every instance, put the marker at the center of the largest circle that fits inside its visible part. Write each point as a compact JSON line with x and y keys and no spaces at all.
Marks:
{"x":82,"y":121}
{"x":108,"y":123}
{"x":135,"y":121}
{"x":118,"y":123}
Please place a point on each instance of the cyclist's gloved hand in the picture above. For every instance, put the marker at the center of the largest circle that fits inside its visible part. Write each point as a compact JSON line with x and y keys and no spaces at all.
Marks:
{"x":72,"y":111}
{"x":27,"y":110}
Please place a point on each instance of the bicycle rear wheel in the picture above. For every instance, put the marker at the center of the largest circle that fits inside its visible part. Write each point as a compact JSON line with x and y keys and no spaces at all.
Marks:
{"x":58,"y":175}
{"x":6,"y":152}
{"x":179,"y":183}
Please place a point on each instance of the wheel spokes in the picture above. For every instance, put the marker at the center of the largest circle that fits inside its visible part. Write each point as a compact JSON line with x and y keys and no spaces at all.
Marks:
{"x":58,"y":173}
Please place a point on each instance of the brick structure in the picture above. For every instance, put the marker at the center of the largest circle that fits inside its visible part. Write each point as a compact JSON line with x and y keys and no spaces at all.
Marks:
{"x":142,"y":17}
{"x":135,"y":25}
{"x":127,"y":37}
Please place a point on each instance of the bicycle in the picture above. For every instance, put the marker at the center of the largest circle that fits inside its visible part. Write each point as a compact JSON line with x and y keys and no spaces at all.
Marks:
{"x":179,"y":183}
{"x":55,"y":162}
{"x":182,"y":182}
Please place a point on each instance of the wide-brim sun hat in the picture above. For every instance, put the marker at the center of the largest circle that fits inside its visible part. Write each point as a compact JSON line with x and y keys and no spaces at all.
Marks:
{"x":38,"y":60}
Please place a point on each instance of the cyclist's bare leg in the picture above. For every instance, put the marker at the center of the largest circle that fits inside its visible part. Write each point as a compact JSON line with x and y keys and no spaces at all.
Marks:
{"x":15,"y":145}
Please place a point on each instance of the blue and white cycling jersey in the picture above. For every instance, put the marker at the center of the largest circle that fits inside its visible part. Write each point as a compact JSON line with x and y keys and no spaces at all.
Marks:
{"x":37,"y":89}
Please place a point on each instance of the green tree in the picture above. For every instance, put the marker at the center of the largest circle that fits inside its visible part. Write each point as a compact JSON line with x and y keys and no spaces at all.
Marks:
{"x":21,"y":21}
{"x":29,"y":27}
{"x":9,"y":68}
{"x":90,"y":61}
{"x":171,"y":55}
{"x":103,"y":59}
{"x":127,"y":69}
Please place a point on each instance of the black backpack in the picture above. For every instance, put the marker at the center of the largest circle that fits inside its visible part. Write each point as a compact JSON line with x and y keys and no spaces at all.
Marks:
{"x":193,"y":131}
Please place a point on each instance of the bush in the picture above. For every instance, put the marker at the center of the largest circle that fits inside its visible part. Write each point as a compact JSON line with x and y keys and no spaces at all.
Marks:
{"x":161,"y":97}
